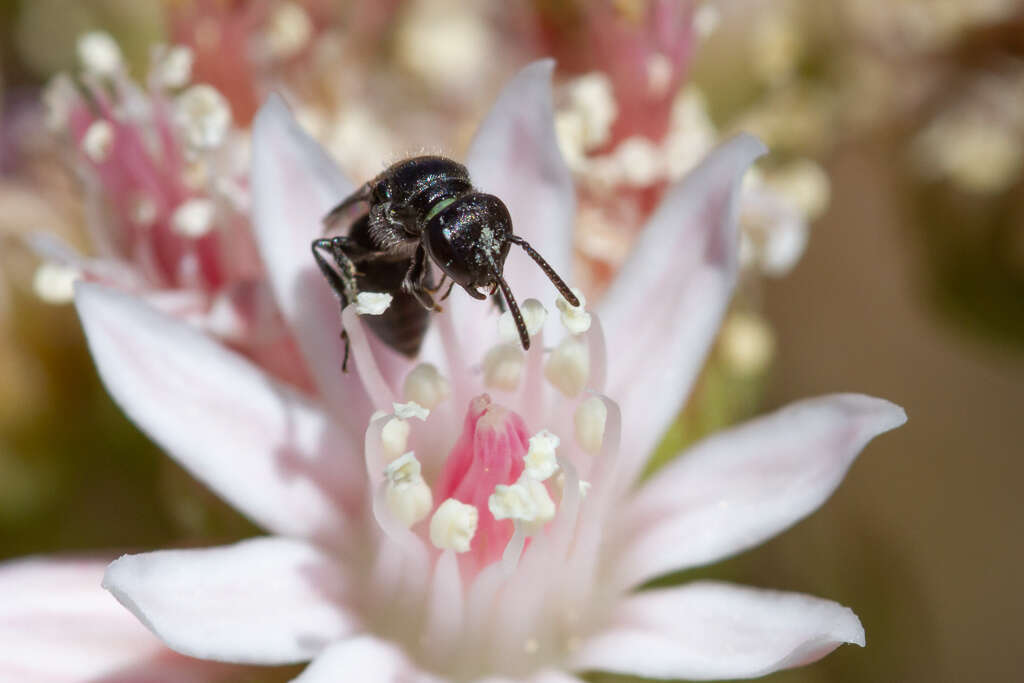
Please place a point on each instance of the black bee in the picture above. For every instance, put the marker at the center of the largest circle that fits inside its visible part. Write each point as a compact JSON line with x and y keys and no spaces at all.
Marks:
{"x":419,"y":211}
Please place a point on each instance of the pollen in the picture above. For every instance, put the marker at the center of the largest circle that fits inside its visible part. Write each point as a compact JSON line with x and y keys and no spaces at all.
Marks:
{"x":172,"y":67}
{"x":453,"y":525}
{"x":409,"y":410}
{"x":372,"y":303}
{"x":426,"y":386}
{"x":408,"y":496}
{"x":574,"y":318}
{"x":193,"y":218}
{"x":526,"y":501}
{"x":540,"y":457}
{"x":503,"y":366}
{"x":590,"y":419}
{"x":534,"y":317}
{"x":204,"y":115}
{"x":568,"y":366}
{"x":99,"y":54}
{"x":98,"y":141}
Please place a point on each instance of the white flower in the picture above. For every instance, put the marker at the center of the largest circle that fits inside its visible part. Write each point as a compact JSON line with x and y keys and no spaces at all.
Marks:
{"x":368,"y":595}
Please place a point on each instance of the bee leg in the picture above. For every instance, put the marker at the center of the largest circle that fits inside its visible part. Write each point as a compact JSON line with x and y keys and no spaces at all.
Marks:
{"x":415,"y":281}
{"x":448,"y":291}
{"x":435,"y":290}
{"x":341,"y":277}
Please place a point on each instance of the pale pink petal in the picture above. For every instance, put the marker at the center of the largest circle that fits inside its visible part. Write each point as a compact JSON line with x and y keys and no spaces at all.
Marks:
{"x":743,"y":486}
{"x":365,"y":659}
{"x":664,"y":308}
{"x":294,"y":185}
{"x":58,"y":625}
{"x":263,"y":601}
{"x":515,"y":156}
{"x":709,"y":630}
{"x":267,"y":450}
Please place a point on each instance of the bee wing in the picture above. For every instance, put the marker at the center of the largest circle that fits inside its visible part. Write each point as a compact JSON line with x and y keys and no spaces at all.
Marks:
{"x":337,"y":218}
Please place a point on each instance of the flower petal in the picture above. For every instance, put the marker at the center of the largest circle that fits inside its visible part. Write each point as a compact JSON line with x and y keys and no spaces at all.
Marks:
{"x":364,"y":659}
{"x":515,"y":156}
{"x":260,"y":445}
{"x":294,"y":184}
{"x":709,"y":630}
{"x":664,"y":308}
{"x":743,"y":486}
{"x":262,"y":601}
{"x":57,"y":624}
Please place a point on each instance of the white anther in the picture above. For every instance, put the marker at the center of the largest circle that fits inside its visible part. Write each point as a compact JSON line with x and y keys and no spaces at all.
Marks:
{"x":98,"y":141}
{"x":289,"y":30}
{"x":574,"y":318}
{"x":426,"y":385}
{"x":58,"y":97}
{"x":194,"y":217}
{"x":526,"y":501}
{"x":172,"y":66}
{"x":540,"y":457}
{"x":534,"y":316}
{"x":410,"y":410}
{"x":204,"y":115}
{"x":706,"y":19}
{"x":659,"y":73}
{"x":54,"y":283}
{"x":99,"y":54}
{"x":453,"y":526}
{"x":590,"y":419}
{"x":592,"y":96}
{"x":747,"y":343}
{"x":394,"y":438}
{"x":143,"y":211}
{"x":372,"y":303}
{"x":503,"y":366}
{"x":568,"y":366}
{"x":407,"y":495}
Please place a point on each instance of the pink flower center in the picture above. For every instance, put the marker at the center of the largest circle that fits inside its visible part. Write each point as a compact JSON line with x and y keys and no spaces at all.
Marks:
{"x":489,"y":452}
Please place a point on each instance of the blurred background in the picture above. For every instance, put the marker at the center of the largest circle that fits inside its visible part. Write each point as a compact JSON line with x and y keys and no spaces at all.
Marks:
{"x":883,"y":249}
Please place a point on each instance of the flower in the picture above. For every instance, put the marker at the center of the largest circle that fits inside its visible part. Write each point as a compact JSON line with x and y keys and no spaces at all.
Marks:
{"x":457,"y":538}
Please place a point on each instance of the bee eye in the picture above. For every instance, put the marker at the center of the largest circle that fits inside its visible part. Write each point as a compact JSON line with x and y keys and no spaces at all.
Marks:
{"x":451,"y":248}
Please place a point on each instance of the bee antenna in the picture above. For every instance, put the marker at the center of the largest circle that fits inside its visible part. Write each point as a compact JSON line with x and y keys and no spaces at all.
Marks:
{"x":524,"y":336}
{"x":558,"y":282}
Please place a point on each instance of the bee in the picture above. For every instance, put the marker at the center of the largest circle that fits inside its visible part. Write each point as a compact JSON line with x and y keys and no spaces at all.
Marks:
{"x":418,"y":212}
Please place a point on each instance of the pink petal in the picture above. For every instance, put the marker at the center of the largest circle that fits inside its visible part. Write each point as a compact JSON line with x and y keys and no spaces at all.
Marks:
{"x":294,"y":185}
{"x":262,"y":601}
{"x":515,"y":156}
{"x":264,"y":448}
{"x":664,"y":308}
{"x":58,"y":625}
{"x":710,"y":630}
{"x":365,"y":659}
{"x":741,"y":487}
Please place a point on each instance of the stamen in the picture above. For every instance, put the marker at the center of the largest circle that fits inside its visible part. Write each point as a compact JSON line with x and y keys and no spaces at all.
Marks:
{"x":574,"y":318}
{"x":99,"y":54}
{"x":54,"y":283}
{"x":204,"y":115}
{"x":453,"y":526}
{"x":540,"y":458}
{"x":289,"y":31}
{"x":590,"y":419}
{"x":503,"y":366}
{"x":527,"y":501}
{"x":426,"y":386}
{"x":372,"y":303}
{"x":98,"y":141}
{"x":193,"y":218}
{"x":534,"y":315}
{"x":407,"y":494}
{"x":394,"y":439}
{"x":410,"y":410}
{"x":172,"y":67}
{"x":568,"y":366}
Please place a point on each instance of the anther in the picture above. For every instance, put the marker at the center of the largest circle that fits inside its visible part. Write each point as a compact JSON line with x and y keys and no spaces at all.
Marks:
{"x":534,"y":315}
{"x":394,"y":438}
{"x":590,"y":418}
{"x":98,"y":141}
{"x":453,"y":525}
{"x":205,"y":116}
{"x":408,"y":497}
{"x":574,"y":318}
{"x":426,"y":386}
{"x":503,"y":366}
{"x":568,"y":366}
{"x":372,"y":303}
{"x":410,"y":410}
{"x":193,"y":218}
{"x":540,"y":459}
{"x":99,"y":54}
